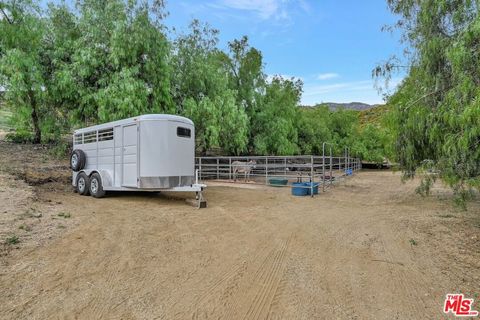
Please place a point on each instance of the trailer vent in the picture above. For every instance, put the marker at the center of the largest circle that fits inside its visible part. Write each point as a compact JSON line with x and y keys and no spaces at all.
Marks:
{"x":106,"y":134}
{"x":90,"y":137}
{"x":77,"y":139}
{"x":184,"y":132}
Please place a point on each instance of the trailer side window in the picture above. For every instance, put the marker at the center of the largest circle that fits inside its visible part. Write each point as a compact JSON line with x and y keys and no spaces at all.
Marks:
{"x":105,"y":134}
{"x":77,"y":139}
{"x":184,"y":132}
{"x":89,"y":137}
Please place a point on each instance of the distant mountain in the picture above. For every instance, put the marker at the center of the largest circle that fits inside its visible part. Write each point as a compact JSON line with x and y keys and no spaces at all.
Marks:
{"x":360,"y":106}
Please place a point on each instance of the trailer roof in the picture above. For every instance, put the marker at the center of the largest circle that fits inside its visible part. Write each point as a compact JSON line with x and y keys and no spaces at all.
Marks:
{"x":168,"y":117}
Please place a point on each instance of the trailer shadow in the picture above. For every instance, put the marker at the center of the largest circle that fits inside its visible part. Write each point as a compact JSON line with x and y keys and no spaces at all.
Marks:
{"x":159,"y":196}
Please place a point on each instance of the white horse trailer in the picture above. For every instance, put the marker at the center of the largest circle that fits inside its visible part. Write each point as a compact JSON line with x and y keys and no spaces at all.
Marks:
{"x":154,"y":152}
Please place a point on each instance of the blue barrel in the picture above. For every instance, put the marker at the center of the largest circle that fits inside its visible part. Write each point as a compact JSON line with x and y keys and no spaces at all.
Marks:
{"x":298,"y":189}
{"x":309,"y":187}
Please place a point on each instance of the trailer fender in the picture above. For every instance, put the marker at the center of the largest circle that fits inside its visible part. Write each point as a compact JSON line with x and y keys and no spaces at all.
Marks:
{"x":105,"y":175}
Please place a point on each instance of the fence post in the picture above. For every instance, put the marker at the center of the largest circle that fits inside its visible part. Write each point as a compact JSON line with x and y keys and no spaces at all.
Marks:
{"x":311,"y":176}
{"x":323,"y":167}
{"x":200,"y":167}
{"x":218,"y":164}
{"x":348,"y":159}
{"x":229,"y":168}
{"x":331,"y":166}
{"x":266,"y":170}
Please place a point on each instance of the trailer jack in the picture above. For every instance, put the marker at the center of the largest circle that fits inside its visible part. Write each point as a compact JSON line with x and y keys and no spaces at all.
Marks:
{"x":201,"y":202}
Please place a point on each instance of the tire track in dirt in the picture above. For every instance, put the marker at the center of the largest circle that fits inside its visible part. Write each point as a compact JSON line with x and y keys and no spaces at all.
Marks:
{"x":337,"y":259}
{"x":255,"y":294}
{"x":268,"y":281}
{"x":247,"y":291}
{"x":408,"y":277}
{"x":403,"y":285}
{"x":221,"y":287}
{"x":397,"y":278}
{"x":278,"y":296}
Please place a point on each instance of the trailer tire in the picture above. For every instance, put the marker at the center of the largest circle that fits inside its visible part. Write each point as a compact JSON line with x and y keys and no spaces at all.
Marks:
{"x":82,"y":184}
{"x":77,"y":160}
{"x":96,"y":186}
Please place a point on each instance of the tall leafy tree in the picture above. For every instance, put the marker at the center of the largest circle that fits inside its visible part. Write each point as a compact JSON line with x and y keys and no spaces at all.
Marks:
{"x":58,"y":50}
{"x":245,"y":67}
{"x":437,"y":106}
{"x":22,"y":30}
{"x":314,"y":129}
{"x":119,"y":66}
{"x":200,"y":89}
{"x":275,"y":124}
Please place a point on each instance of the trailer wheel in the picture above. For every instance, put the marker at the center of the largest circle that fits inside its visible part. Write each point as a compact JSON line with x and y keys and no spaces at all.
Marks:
{"x":82,"y":184}
{"x":96,"y":187}
{"x":77,"y":160}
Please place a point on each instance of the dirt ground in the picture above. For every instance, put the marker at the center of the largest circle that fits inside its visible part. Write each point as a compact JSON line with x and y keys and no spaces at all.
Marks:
{"x":369,"y":248}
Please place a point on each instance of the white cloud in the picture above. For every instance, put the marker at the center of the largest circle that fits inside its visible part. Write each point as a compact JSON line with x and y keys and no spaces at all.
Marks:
{"x":326,"y":76}
{"x":305,"y":6}
{"x":265,"y":9}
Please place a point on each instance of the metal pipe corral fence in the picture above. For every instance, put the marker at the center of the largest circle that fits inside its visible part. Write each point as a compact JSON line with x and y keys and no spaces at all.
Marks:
{"x":280,"y":171}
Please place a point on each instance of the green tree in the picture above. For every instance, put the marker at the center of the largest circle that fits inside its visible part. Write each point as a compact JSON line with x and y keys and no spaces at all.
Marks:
{"x":314,"y":129}
{"x":21,"y":70}
{"x":275,"y":125}
{"x":200,"y":89}
{"x":219,"y":123}
{"x":372,"y":144}
{"x":437,"y":107}
{"x":57,"y":53}
{"x":344,"y":126}
{"x":193,"y":59}
{"x":244,"y":65}
{"x":119,"y":67}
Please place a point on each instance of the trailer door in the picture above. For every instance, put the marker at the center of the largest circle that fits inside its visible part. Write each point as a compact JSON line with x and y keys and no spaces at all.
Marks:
{"x":129,"y":156}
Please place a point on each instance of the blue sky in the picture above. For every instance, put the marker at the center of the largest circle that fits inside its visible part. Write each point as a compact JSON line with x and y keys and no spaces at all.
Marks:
{"x":331,"y":45}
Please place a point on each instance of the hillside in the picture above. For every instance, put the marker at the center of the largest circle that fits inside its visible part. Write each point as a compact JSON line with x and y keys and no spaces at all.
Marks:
{"x":351,"y":105}
{"x":359,"y":106}
{"x":373,"y":115}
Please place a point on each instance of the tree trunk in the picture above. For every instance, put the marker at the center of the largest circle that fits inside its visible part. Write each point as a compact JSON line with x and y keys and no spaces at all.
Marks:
{"x":37,"y":137}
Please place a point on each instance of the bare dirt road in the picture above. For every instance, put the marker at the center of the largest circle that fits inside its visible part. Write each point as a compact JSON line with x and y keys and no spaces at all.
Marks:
{"x":367,"y":249}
